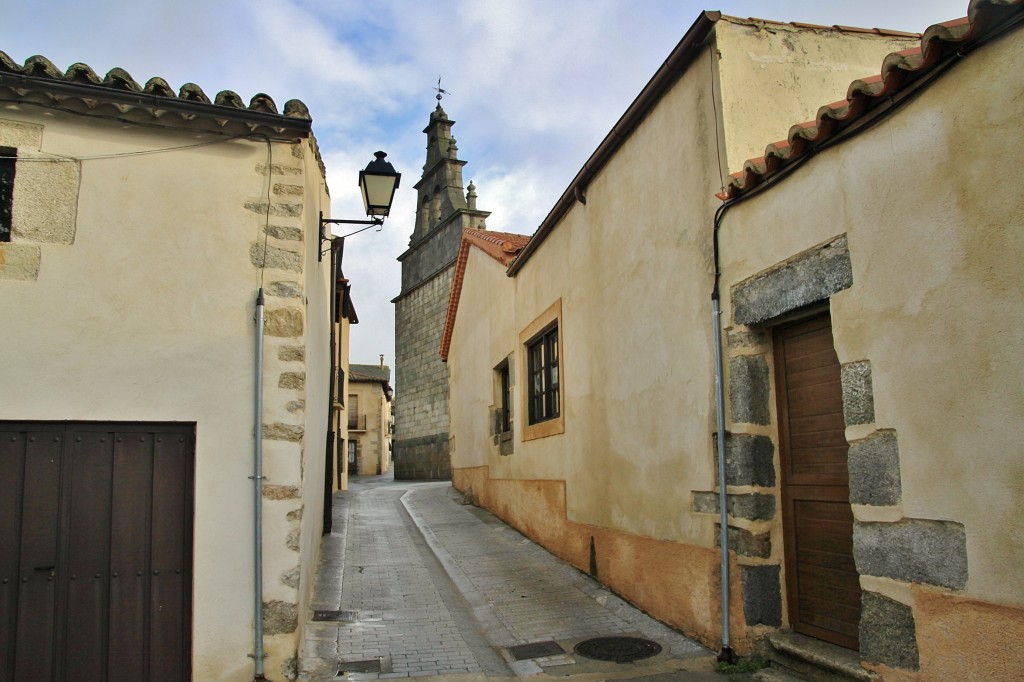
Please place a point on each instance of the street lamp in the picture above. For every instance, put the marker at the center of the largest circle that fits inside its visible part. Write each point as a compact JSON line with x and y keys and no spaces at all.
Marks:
{"x":377,"y":185}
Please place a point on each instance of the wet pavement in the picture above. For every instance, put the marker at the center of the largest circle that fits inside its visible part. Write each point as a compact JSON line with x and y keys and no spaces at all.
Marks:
{"x":414,"y":584}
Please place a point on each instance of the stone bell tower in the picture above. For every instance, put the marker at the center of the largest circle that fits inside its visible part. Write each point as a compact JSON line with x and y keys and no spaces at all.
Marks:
{"x":421,"y":378}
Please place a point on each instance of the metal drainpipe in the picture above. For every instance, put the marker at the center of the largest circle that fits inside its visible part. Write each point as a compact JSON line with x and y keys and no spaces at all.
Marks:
{"x":716,"y":314}
{"x":257,"y":480}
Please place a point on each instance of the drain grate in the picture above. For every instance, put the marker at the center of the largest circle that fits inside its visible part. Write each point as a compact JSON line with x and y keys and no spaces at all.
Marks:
{"x":617,"y":649}
{"x":372,"y":665}
{"x":338,"y":616}
{"x":524,"y":652}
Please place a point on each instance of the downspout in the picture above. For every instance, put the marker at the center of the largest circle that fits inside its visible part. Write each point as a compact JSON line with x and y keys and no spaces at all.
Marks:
{"x":726,"y":654}
{"x":329,"y":473}
{"x":257,"y":479}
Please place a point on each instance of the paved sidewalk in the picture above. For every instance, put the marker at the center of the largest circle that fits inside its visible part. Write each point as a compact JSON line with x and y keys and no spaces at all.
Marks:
{"x":422,"y":586}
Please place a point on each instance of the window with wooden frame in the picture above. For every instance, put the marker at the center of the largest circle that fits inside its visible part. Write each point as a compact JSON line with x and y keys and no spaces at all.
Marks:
{"x":542,"y":358}
{"x":353,"y":411}
{"x":542,"y":393}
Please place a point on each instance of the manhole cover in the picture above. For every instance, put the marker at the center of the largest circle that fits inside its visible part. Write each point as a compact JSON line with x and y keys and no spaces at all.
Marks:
{"x":524,"y":652}
{"x":618,"y":649}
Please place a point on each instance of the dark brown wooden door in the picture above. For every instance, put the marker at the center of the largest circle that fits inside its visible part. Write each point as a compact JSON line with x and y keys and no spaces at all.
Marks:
{"x":822,"y":584}
{"x":96,"y":562}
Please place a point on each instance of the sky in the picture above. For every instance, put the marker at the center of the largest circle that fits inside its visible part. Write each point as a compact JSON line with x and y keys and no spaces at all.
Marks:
{"x":534,"y":85}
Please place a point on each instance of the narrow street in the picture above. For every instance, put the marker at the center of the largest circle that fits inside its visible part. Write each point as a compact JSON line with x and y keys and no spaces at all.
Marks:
{"x":414,"y":584}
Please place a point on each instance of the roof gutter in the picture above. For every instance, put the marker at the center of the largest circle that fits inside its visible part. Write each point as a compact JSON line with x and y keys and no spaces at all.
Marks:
{"x":673,"y":67}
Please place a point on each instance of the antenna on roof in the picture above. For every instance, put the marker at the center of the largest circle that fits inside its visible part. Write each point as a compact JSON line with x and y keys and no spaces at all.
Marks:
{"x":440,"y":91}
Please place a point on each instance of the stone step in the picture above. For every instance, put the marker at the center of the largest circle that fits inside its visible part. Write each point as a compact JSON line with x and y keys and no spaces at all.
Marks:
{"x":773,"y":675}
{"x":811,"y":659}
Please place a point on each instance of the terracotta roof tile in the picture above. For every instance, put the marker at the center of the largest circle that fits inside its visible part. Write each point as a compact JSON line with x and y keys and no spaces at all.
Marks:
{"x":899,"y":71}
{"x":501,"y":246}
{"x":371,"y":373}
{"x":79,"y":89}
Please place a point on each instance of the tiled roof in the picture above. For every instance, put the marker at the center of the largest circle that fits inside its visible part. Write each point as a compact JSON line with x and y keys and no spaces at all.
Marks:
{"x":501,"y":246}
{"x":755,"y":21}
{"x":118,"y":95}
{"x":901,"y":73}
{"x":376,"y":373}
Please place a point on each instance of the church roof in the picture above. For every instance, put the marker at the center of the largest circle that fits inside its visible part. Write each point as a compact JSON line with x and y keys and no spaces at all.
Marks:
{"x":902,"y":74}
{"x":118,"y":96}
{"x":503,"y":247}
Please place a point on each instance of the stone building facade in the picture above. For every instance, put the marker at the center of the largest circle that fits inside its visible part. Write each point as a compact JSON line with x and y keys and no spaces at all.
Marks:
{"x":421,"y":408}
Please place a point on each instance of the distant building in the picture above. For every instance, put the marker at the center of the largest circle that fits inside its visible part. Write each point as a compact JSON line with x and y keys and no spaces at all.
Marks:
{"x":369,"y":419}
{"x":444,"y":208}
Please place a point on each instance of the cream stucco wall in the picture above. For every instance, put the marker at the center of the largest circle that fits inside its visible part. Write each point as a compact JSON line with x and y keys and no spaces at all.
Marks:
{"x":796,"y":70}
{"x":480,"y":342}
{"x":632,"y":272}
{"x":646,"y":425}
{"x":935,"y":240}
{"x":598,"y":262}
{"x":146,"y":314}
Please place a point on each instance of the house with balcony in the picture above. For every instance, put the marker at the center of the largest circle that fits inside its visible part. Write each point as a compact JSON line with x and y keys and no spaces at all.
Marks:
{"x":370,"y":424}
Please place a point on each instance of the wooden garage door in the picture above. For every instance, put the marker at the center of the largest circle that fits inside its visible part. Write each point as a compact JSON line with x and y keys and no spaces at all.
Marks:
{"x":96,"y":567}
{"x":822,"y":584}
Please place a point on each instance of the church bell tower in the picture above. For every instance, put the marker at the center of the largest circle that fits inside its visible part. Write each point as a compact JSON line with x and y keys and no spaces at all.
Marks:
{"x":444,"y":207}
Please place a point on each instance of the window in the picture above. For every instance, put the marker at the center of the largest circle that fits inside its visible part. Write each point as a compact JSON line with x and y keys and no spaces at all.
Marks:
{"x":541,"y":376}
{"x":502,"y":398}
{"x":8,"y":160}
{"x":542,"y":356}
{"x":353,"y":412}
{"x":506,"y":398}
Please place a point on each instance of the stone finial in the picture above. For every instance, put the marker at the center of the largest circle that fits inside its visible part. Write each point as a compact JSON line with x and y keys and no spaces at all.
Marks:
{"x":471,"y":196}
{"x":453,"y":150}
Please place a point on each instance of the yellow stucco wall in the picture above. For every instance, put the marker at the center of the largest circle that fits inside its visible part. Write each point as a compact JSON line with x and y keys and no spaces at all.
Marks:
{"x":374,"y":441}
{"x":935,"y":243}
{"x":146,"y":314}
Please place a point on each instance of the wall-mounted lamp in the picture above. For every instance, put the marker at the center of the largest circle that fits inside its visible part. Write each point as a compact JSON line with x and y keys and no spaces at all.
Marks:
{"x":377,"y":184}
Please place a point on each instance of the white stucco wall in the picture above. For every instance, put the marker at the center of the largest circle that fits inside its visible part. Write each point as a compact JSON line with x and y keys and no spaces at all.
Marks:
{"x":148,"y":316}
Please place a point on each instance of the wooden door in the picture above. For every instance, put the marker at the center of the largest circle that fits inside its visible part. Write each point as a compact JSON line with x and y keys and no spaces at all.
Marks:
{"x":96,"y":568}
{"x":822,"y":584}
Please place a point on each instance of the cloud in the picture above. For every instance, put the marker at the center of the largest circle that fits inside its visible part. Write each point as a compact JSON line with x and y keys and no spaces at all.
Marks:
{"x":536,"y":85}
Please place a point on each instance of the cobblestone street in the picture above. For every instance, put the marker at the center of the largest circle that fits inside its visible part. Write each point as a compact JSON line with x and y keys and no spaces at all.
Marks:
{"x":414,"y":584}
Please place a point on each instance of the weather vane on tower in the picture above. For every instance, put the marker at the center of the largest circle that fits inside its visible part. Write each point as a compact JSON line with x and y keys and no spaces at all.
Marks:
{"x":440,"y":91}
